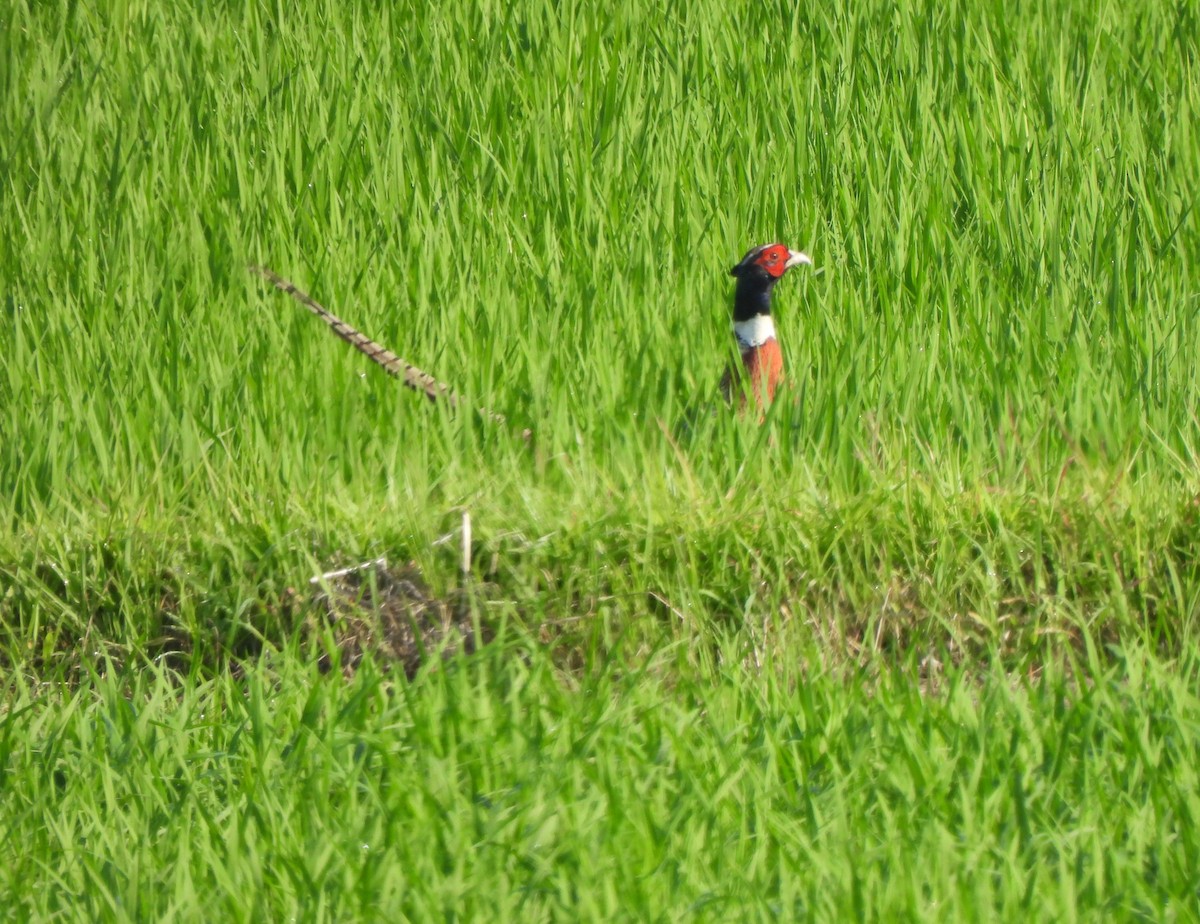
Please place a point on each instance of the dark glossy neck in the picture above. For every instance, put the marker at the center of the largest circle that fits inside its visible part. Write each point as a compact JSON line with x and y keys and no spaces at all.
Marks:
{"x":752,"y":297}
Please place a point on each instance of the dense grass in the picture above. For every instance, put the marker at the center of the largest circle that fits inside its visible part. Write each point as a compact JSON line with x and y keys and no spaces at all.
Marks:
{"x":870,"y":659}
{"x":994,"y":375}
{"x":489,"y":791}
{"x":993,"y":364}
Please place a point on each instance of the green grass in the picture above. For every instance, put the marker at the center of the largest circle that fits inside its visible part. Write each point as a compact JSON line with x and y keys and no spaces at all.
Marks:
{"x":492,"y":791}
{"x":942,"y":552}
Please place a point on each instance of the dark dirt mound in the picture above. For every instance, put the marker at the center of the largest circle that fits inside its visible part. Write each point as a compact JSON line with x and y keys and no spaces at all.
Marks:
{"x":391,"y":612}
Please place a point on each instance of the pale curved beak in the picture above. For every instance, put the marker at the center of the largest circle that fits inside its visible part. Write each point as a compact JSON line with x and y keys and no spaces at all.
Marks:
{"x":795,"y":258}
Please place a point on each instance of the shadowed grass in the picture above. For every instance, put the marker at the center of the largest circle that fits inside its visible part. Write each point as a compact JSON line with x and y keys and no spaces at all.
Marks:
{"x":491,"y":790}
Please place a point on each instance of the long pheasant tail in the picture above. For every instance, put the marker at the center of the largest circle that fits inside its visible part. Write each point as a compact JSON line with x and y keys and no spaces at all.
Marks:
{"x":392,"y":364}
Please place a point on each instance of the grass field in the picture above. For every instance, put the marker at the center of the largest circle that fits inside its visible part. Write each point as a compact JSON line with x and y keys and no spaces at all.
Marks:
{"x":923,"y":645}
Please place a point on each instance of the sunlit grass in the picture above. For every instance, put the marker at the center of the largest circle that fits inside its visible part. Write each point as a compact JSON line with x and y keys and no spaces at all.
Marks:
{"x":923,"y":645}
{"x":539,"y":204}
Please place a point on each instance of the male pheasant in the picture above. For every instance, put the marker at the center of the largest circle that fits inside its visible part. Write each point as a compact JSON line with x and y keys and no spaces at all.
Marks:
{"x":761,"y":368}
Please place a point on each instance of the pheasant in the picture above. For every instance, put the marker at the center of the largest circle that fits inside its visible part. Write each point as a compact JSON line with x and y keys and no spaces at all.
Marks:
{"x":762,"y":361}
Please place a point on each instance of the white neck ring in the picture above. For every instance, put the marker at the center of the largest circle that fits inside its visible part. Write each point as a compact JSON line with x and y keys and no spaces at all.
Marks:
{"x":755,"y":332}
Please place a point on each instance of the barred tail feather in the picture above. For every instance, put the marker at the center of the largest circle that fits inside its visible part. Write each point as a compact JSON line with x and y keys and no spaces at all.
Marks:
{"x":409,"y":374}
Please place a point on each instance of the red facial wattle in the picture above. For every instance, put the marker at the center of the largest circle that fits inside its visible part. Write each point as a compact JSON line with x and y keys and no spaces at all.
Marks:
{"x":774,"y":260}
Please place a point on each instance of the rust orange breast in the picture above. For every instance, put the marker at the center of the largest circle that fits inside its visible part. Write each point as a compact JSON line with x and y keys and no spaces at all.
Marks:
{"x":764,"y":366}
{"x":760,"y":375}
